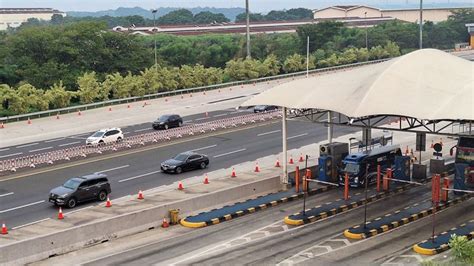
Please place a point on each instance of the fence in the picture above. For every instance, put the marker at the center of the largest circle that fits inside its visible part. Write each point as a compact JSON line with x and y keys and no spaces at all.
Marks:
{"x":175,"y":92}
{"x":82,"y":151}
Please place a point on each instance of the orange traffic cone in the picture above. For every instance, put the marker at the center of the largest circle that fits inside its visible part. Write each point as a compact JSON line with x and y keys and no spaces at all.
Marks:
{"x":277,"y":164}
{"x":79,"y":113}
{"x":109,"y":203}
{"x":257,"y":169}
{"x":291,"y":160}
{"x":2,"y":125}
{"x":29,"y":121}
{"x":60,"y":214}
{"x":4,"y":229}
{"x":233,"y":173}
{"x":301,"y":158}
{"x":180,"y":186}
{"x":165,"y":223}
{"x":128,"y":106}
{"x":110,"y":109}
{"x":57,"y":116}
{"x":140,"y":195}
{"x":206,"y":180}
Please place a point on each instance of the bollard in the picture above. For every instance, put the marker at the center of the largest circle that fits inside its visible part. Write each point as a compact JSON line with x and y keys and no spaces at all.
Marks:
{"x":309,"y":174}
{"x":444,"y":194}
{"x":297,"y":179}
{"x":378,"y":178}
{"x":435,"y":188}
{"x":346,"y":186}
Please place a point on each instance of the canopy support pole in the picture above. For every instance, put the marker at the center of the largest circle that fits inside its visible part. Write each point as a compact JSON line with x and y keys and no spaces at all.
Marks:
{"x":330,"y":127}
{"x":284,"y":179}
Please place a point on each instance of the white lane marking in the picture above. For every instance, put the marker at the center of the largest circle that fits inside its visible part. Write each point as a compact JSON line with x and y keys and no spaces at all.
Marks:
{"x":47,"y":148}
{"x":80,"y":135}
{"x":143,"y":129}
{"x":22,"y":206}
{"x":187,"y":121}
{"x":227,"y":153}
{"x":126,"y":132}
{"x":53,"y":140}
{"x":76,"y":210}
{"x":13,"y":154}
{"x":203,"y":148}
{"x":70,"y":143}
{"x":297,"y":136}
{"x":112,"y":169}
{"x":27,"y":145}
{"x":35,"y":222}
{"x":269,"y":132}
{"x":6,"y":149}
{"x":219,"y":115}
{"x":202,"y":118}
{"x":138,"y":176}
{"x":76,"y":138}
{"x":7,"y":194}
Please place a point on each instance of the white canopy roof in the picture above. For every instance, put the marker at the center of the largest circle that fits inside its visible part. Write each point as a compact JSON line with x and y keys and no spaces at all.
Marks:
{"x":425,"y":84}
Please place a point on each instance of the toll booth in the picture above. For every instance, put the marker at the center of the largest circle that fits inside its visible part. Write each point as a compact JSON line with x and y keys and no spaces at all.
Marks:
{"x":402,"y":168}
{"x":330,"y":160}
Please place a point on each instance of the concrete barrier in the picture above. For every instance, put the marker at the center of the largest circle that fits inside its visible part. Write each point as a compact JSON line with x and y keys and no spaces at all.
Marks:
{"x":67,"y":240}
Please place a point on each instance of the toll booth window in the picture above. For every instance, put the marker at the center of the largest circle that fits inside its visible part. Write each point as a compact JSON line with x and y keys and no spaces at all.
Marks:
{"x":351,"y":168}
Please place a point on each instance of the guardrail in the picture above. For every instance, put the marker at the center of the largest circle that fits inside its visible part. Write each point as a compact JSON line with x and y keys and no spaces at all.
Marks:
{"x":175,"y":92}
{"x":67,"y":154}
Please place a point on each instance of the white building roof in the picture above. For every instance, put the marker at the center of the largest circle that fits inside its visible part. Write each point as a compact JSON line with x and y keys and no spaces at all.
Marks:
{"x":425,"y":84}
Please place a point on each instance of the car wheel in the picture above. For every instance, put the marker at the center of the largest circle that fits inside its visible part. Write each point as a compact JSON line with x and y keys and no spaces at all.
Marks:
{"x":180,"y":124}
{"x":71,"y":203}
{"x":102,"y":195}
{"x":203,"y":165}
{"x":119,"y":139}
{"x":101,"y":143}
{"x":166,"y":126}
{"x":178,"y":170}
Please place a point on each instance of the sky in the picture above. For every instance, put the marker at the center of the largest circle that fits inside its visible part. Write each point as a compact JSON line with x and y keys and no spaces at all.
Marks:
{"x":255,"y":5}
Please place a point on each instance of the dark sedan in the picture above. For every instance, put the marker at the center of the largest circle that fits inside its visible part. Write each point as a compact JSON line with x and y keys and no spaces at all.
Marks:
{"x":264,"y":108}
{"x":168,"y":121}
{"x":184,"y":162}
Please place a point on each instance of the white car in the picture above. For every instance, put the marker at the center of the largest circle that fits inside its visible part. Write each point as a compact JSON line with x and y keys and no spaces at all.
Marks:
{"x":105,"y":136}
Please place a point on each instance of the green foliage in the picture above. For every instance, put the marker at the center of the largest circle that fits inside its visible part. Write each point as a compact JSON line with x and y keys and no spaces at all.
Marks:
{"x":319,"y":34}
{"x":207,"y":17}
{"x":242,"y":17}
{"x":57,"y":96}
{"x":294,"y":63}
{"x":272,"y":64}
{"x":276,"y":15}
{"x":462,"y":249}
{"x":89,"y":88}
{"x":180,"y":16}
{"x":240,"y":69}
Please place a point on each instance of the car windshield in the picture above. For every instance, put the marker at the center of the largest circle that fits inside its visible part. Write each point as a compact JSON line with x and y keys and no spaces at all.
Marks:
{"x":72,"y":183}
{"x":98,"y":134}
{"x":181,"y":157}
{"x":260,"y":107}
{"x":351,"y":168}
{"x":163,"y":118}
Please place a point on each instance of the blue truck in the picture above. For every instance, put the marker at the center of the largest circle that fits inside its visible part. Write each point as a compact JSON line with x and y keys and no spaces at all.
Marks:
{"x":357,"y":165}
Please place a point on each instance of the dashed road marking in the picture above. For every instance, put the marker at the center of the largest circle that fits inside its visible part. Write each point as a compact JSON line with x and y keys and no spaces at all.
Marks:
{"x":266,"y":133}
{"x":6,"y":194}
{"x":35,"y":222}
{"x":12,"y":154}
{"x":70,"y":143}
{"x":228,"y":153}
{"x":202,"y":118}
{"x":204,"y":148}
{"x":219,"y":115}
{"x":297,"y":136}
{"x":138,"y":176}
{"x":6,"y":149}
{"x":46,"y":148}
{"x":22,"y":206}
{"x":112,"y":169}
{"x":27,"y":145}
{"x":53,"y":140}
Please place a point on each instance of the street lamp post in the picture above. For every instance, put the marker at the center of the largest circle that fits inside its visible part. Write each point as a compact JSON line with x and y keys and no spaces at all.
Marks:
{"x":305,"y":185}
{"x":421,"y":24}
{"x":154,"y":29}
{"x":247,"y":14}
{"x":366,"y":32}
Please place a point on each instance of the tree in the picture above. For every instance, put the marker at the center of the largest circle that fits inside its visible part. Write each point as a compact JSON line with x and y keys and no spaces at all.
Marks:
{"x":240,"y":69}
{"x":57,"y":96}
{"x":319,"y":34}
{"x":242,"y":17}
{"x":134,"y":85}
{"x":272,"y":64}
{"x":463,"y":249}
{"x":89,"y":88}
{"x":294,"y":63}
{"x":392,"y":49}
{"x":207,"y":17}
{"x":114,"y":84}
{"x":300,"y":13}
{"x":33,"y":98}
{"x":151,"y":80}
{"x":180,"y":16}
{"x":57,"y":19}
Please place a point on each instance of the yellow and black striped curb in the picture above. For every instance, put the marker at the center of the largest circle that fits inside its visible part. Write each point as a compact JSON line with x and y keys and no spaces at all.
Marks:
{"x":230,"y":216}
{"x":443,"y":245}
{"x":340,"y":209}
{"x":400,"y":222}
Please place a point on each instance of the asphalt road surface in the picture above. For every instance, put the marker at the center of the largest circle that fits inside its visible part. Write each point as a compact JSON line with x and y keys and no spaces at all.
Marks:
{"x":25,"y":199}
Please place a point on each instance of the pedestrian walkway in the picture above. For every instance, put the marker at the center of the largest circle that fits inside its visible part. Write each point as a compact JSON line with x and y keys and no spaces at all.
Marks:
{"x":440,"y":242}
{"x":226,"y":213}
{"x":399,"y":218}
{"x":332,"y":208}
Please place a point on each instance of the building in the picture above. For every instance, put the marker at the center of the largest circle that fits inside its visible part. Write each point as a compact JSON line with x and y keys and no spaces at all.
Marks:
{"x":13,"y":17}
{"x":470,"y":29}
{"x":361,"y":11}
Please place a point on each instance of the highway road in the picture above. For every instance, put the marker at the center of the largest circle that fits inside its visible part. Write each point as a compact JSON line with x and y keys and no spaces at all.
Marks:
{"x":263,"y":239}
{"x":23,"y":199}
{"x":26,"y":149}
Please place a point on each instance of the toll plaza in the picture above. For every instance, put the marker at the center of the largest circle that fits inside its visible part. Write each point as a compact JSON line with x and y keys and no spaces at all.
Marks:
{"x":427,"y":93}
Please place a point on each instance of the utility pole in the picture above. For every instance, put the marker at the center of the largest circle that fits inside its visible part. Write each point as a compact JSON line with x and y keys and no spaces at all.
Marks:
{"x":421,"y":24}
{"x":366,"y":32}
{"x":154,"y":29}
{"x":307,"y":57}
{"x":247,"y":13}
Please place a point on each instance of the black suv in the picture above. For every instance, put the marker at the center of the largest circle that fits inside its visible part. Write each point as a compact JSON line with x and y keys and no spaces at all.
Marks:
{"x":185,"y":161}
{"x":80,"y":189}
{"x":167,"y":121}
